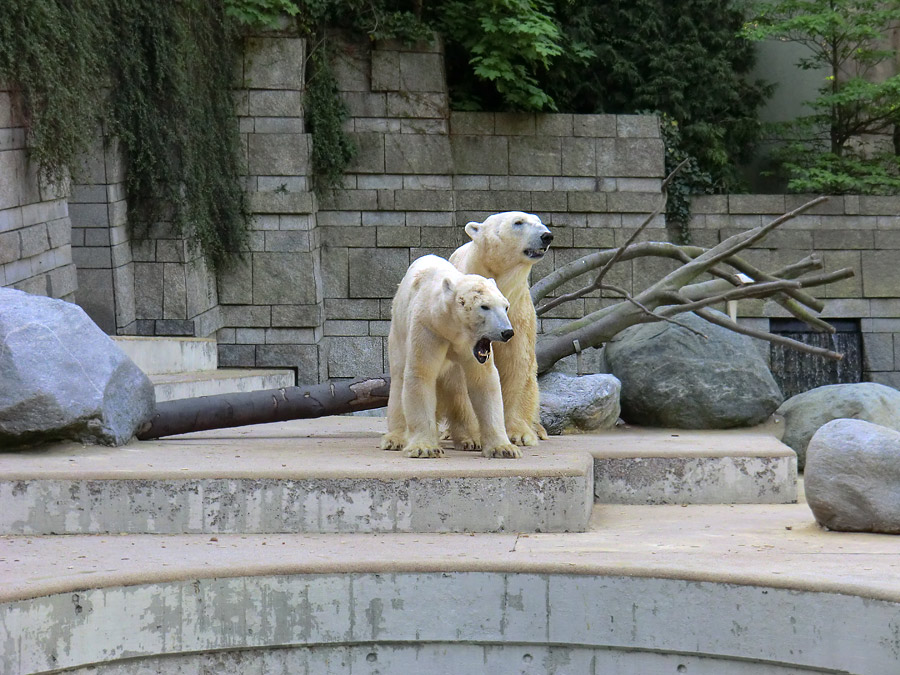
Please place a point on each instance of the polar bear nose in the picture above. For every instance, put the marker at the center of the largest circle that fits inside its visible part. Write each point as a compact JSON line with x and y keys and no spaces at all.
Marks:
{"x":546,"y":238}
{"x":507,"y":334}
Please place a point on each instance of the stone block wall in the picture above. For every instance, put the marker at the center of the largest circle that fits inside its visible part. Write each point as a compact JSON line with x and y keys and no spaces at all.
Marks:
{"x":271,"y":301}
{"x":859,"y":232}
{"x":423,"y":172}
{"x":313,"y":290}
{"x":101,"y":240}
{"x":35,"y":231}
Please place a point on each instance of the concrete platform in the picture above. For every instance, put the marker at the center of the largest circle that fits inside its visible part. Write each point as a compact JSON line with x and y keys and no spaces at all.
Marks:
{"x":745,"y":590}
{"x":677,"y":466}
{"x":302,"y":476}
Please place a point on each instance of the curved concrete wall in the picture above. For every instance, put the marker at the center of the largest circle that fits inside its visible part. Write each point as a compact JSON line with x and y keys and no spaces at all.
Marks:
{"x":449,"y":622}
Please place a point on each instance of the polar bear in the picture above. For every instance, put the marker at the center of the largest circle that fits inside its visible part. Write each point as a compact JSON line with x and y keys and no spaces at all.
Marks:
{"x":504,"y":248}
{"x":442,"y":324}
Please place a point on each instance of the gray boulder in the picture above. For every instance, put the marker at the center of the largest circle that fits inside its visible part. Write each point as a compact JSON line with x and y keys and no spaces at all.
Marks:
{"x":672,"y":377}
{"x":61,"y":377}
{"x":571,"y":404}
{"x":853,"y":477}
{"x":805,"y":413}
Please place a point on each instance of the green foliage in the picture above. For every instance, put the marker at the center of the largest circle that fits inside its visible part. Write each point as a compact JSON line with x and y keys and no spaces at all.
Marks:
{"x":507,"y":43}
{"x":690,"y":180}
{"x":159,"y":75}
{"x":49,"y":51}
{"x":172,"y":68}
{"x":260,"y":13}
{"x":845,"y":40}
{"x":325,"y":114}
{"x":680,"y":57}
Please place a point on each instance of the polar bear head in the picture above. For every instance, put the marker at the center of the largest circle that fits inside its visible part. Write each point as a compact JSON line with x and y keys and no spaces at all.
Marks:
{"x":512,"y":236}
{"x":479,"y":312}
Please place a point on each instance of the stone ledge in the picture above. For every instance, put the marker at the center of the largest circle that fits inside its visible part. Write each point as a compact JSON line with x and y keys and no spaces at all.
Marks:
{"x":256,"y":481}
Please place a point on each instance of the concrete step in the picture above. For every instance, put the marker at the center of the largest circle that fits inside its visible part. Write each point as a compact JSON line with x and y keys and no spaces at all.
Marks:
{"x":173,"y":386}
{"x":678,"y":466}
{"x":306,"y":476}
{"x":743,"y":590}
{"x":156,"y":355}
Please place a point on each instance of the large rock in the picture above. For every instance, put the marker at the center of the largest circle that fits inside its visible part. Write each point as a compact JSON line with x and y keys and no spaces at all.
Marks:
{"x":573,"y":404}
{"x":672,"y":377}
{"x":61,"y":377}
{"x":853,"y":477}
{"x":805,"y":413}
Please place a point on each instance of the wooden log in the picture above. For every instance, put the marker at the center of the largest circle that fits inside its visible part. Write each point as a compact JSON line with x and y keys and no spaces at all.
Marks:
{"x":268,"y":405}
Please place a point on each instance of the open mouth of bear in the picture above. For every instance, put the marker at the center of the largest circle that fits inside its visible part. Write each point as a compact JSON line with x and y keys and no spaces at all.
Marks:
{"x":534,"y":253}
{"x":482,"y":350}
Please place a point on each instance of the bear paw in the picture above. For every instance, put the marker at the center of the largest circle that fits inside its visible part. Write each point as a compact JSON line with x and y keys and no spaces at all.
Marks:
{"x":541,"y":431}
{"x":504,"y":450}
{"x":392,"y":442}
{"x":418,"y":451}
{"x":522,"y":435}
{"x":467,"y":445}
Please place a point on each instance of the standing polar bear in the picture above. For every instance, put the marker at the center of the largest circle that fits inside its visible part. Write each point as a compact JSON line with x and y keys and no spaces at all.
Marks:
{"x":443,"y":322}
{"x":504,"y":248}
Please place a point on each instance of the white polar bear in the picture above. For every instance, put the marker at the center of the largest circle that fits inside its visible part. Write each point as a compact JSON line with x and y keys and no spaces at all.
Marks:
{"x":443,"y":322}
{"x":504,"y":248}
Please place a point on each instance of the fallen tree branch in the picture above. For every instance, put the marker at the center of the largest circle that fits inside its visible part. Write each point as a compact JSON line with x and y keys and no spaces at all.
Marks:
{"x":270,"y":405}
{"x":769,"y":337}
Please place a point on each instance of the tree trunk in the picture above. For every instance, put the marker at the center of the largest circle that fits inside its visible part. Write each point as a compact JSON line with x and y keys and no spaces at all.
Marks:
{"x":269,"y":405}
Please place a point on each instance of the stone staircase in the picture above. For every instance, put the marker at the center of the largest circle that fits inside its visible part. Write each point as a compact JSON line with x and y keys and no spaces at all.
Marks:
{"x":188,"y":367}
{"x":328,"y":475}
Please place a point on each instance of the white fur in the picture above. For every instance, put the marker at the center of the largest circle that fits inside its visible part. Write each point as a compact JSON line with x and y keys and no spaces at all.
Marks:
{"x":437,"y":317}
{"x":500,"y":250}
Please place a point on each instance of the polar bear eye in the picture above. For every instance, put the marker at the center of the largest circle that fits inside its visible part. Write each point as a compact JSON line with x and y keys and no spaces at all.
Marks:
{"x":519,"y":222}
{"x":485,"y":308}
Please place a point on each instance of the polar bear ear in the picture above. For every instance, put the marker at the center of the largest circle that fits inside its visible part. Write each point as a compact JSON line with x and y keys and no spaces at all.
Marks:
{"x":448,"y":286}
{"x":472,"y":229}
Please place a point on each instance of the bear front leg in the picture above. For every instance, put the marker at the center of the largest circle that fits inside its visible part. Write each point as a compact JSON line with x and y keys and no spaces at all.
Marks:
{"x":423,"y":364}
{"x":455,"y":407}
{"x":483,"y":383}
{"x":520,"y":398}
{"x":395,"y":438}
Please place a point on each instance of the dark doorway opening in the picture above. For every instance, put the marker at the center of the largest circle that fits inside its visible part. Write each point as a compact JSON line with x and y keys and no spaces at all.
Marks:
{"x":797,"y":371}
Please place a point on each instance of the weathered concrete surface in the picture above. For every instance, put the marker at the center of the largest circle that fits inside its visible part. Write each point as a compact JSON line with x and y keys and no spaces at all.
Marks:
{"x":714,"y":588}
{"x":156,"y":355}
{"x":303,"y":476}
{"x":676,"y":466}
{"x":434,"y":658}
{"x":174,"y":386}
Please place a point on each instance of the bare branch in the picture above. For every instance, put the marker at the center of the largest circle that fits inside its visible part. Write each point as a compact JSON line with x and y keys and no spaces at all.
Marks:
{"x":749,"y":291}
{"x":769,"y":337}
{"x":728,"y":248}
{"x":619,"y":252}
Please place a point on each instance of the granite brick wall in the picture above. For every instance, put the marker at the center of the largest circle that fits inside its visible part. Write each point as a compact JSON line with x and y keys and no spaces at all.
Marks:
{"x":859,"y":232}
{"x":271,"y":301}
{"x":101,"y":239}
{"x":35,"y":231}
{"x":423,"y":172}
{"x":313,"y":290}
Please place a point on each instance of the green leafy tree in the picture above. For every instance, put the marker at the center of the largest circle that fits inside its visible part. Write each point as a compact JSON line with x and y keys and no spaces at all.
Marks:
{"x":846,"y":39}
{"x":683,"y":58}
{"x":500,"y":50}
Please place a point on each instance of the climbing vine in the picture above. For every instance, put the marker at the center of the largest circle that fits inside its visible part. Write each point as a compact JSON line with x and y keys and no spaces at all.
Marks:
{"x":159,"y":75}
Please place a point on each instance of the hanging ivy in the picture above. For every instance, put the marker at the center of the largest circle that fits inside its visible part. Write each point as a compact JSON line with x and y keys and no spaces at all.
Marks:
{"x":167,"y":68}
